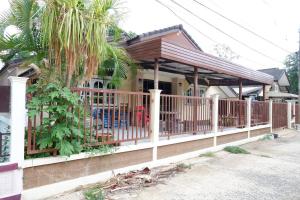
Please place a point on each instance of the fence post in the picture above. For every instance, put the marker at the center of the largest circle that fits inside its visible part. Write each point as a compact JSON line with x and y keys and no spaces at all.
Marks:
{"x":18,"y":119}
{"x":271,"y":114}
{"x":248,"y":100}
{"x":215,"y":111}
{"x":154,"y":119}
{"x":289,"y":114}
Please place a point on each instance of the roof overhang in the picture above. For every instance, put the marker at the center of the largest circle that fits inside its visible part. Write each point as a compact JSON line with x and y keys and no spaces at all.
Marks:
{"x":212,"y":70}
{"x":281,"y":95}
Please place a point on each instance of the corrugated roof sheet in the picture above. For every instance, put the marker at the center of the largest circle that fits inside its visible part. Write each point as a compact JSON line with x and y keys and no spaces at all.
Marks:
{"x":275,"y":72}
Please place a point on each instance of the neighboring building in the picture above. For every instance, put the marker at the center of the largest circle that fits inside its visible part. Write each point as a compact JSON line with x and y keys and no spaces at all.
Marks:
{"x":17,"y":68}
{"x":278,"y":91}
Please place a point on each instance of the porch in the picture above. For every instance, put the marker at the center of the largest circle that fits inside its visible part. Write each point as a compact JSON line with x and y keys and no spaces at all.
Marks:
{"x":122,"y":117}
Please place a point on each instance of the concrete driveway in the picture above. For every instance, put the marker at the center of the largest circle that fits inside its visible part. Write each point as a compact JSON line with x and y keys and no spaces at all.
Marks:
{"x":271,"y":171}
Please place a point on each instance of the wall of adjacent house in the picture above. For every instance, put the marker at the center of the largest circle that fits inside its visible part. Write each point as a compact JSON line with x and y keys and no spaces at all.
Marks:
{"x":212,"y":90}
{"x":134,"y":82}
{"x":283,"y":81}
{"x":179,"y":84}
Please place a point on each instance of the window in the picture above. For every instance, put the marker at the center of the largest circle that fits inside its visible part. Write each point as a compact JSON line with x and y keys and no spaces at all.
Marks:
{"x":201,"y":91}
{"x":98,"y":96}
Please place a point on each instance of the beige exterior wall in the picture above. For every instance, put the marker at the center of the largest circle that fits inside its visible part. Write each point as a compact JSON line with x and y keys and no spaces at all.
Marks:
{"x":134,"y":82}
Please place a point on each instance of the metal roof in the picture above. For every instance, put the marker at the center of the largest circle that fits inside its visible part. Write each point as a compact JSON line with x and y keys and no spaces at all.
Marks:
{"x":161,"y":32}
{"x":275,"y":72}
{"x":175,"y":58}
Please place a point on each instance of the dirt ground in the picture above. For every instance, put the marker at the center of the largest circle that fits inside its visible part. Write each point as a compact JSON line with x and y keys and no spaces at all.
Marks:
{"x":271,"y":171}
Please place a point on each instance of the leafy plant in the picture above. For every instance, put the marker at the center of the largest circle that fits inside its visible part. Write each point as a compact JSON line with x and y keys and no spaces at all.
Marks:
{"x":25,"y":45}
{"x":62,"y":111}
{"x":94,"y":194}
{"x":79,"y":36}
{"x":236,"y":150}
{"x":267,"y":137}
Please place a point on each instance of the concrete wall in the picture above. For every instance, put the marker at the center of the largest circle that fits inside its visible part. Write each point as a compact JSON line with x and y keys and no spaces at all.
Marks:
{"x":62,"y":171}
{"x":47,"y":171}
{"x":254,"y":133}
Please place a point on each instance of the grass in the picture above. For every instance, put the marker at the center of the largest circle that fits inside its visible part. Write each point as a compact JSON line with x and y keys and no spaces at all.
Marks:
{"x":184,"y":166}
{"x":208,"y":154}
{"x":94,"y":194}
{"x":236,"y":150}
{"x":267,"y":137}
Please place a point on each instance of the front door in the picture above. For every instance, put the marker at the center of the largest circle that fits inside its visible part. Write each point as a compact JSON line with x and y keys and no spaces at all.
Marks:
{"x":166,"y":87}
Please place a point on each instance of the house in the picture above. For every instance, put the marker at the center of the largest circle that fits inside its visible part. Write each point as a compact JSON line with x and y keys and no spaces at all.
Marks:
{"x":177,"y":73}
{"x":278,"y":91}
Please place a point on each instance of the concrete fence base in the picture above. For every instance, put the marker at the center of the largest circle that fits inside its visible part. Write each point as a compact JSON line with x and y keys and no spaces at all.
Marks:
{"x":44,"y":177}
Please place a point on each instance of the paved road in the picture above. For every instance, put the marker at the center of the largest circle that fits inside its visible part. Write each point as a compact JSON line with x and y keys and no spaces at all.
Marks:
{"x":271,"y":171}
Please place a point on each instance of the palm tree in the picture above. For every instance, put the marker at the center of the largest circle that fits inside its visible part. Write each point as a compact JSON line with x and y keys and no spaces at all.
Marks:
{"x":26,"y":44}
{"x":76,"y":32}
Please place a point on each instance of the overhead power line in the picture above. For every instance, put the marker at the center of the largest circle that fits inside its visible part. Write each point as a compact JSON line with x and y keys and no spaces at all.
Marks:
{"x":242,"y":27}
{"x":228,"y":35}
{"x":185,"y":21}
{"x":195,"y":28}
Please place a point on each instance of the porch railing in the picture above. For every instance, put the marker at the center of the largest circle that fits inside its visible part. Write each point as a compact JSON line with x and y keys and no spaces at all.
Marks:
{"x":115,"y":116}
{"x":259,"y":113}
{"x":108,"y":117}
{"x":184,"y":115}
{"x":232,"y":113}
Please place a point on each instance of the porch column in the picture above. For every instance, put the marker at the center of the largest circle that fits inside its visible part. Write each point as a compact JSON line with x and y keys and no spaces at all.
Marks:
{"x":154,"y":120}
{"x":195,"y":100}
{"x":240,"y":89}
{"x":156,"y":69}
{"x":195,"y":81}
{"x":240,"y":98}
{"x":264,"y":92}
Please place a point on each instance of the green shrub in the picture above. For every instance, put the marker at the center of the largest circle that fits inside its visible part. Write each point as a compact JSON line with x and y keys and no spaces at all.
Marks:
{"x":61,"y":115}
{"x":94,"y":194}
{"x":236,"y":150}
{"x":267,"y":137}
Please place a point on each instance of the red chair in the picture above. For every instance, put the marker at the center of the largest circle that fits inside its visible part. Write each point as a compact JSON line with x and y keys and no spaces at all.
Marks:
{"x":141,"y":114}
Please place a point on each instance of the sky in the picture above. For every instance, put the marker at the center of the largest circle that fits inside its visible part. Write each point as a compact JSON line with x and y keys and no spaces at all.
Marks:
{"x":276,"y":20}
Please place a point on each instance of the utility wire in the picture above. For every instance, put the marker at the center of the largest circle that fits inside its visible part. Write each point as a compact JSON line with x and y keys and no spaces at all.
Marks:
{"x":242,"y":27}
{"x":228,"y":35}
{"x":185,"y":21}
{"x":195,"y":28}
